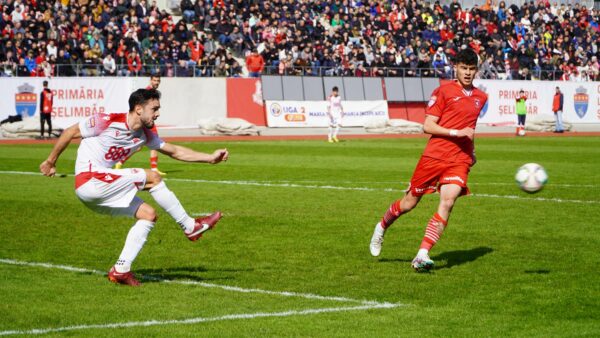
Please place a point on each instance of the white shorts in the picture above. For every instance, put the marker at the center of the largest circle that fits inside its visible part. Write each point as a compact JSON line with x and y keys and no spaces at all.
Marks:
{"x":111,"y":191}
{"x":335,"y":119}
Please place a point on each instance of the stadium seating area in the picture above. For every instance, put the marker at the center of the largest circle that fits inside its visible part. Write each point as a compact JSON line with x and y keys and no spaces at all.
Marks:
{"x":319,"y":37}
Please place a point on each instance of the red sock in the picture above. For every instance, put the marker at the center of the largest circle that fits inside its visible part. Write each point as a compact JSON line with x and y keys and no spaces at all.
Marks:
{"x":154,"y":162}
{"x":433,"y":231}
{"x":391,"y":214}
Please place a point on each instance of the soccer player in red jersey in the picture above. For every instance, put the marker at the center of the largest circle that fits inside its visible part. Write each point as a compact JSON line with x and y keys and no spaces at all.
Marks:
{"x":154,"y":83}
{"x":451,"y":117}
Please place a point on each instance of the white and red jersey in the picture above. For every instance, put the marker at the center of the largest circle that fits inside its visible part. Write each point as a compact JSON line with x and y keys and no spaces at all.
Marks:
{"x":107,"y":139}
{"x":334,"y":103}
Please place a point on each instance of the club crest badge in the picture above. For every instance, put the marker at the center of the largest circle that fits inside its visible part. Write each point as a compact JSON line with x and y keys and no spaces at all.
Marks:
{"x":580,"y":100}
{"x":25,"y":100}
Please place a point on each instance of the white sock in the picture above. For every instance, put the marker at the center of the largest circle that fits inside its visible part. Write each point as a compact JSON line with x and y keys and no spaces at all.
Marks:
{"x":136,"y":238}
{"x":423,"y":253}
{"x":330,"y":135}
{"x":168,"y":201}
{"x":336,"y":131}
{"x":379,"y":229}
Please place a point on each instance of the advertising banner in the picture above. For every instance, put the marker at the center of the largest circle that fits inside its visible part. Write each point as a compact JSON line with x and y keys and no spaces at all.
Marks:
{"x":74,"y":98}
{"x":581,"y":100}
{"x":314,"y":113}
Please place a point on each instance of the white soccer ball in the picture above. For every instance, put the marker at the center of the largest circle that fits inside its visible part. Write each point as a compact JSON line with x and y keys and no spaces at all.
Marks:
{"x":521,"y":132}
{"x":531,"y":177}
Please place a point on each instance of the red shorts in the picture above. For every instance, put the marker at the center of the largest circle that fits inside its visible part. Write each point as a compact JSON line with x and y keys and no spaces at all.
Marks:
{"x":431,"y":173}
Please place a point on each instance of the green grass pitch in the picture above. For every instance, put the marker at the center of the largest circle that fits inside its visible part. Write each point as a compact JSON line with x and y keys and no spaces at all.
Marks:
{"x":298,"y":217}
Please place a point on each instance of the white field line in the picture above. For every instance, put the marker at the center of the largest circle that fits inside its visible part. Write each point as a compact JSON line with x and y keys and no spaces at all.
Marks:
{"x":406,"y":183}
{"x":293,"y":185}
{"x":564,"y":185}
{"x":201,"y":319}
{"x":202,"y":284}
{"x":543,"y":199}
{"x":331,"y":187}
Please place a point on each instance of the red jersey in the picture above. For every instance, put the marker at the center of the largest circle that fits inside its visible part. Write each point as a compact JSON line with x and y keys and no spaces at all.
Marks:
{"x":47,"y":98}
{"x":457,"y":108}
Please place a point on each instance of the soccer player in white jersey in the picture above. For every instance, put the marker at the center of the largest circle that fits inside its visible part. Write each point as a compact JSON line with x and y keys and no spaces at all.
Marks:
{"x":108,"y":138}
{"x":335,"y":111}
{"x":154,"y":83}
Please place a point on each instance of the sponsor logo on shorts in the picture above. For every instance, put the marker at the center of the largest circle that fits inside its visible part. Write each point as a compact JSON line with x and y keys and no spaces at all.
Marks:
{"x":421,"y":190}
{"x":454,"y":178}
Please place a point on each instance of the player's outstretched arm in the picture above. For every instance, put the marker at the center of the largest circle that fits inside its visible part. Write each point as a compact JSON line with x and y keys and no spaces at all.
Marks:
{"x":48,"y":167}
{"x":430,"y":126}
{"x":188,"y":155}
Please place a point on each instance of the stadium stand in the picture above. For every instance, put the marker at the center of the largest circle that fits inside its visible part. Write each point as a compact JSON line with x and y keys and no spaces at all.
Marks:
{"x":529,"y":40}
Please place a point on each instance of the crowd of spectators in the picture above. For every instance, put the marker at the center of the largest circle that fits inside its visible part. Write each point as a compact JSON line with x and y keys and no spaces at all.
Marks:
{"x":539,"y":39}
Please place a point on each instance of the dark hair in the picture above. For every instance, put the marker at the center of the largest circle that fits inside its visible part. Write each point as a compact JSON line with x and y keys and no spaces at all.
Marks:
{"x":141,"y":96}
{"x":155,"y":76}
{"x":467,"y":57}
{"x":45,"y":83}
{"x":335,"y":89}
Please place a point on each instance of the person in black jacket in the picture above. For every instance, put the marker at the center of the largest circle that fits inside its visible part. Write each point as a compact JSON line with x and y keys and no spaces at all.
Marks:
{"x":46,"y":109}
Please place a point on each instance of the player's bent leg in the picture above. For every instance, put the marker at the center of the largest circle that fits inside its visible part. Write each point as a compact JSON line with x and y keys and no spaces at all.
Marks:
{"x":193,"y":228}
{"x":436,"y":226}
{"x":146,"y":212}
{"x":152,"y":179}
{"x":448,"y":195}
{"x":396,"y":209}
{"x":136,"y":238}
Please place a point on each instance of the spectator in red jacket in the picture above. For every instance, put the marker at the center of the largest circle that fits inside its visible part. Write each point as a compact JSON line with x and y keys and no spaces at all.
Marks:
{"x":255,"y":63}
{"x":134,"y":64}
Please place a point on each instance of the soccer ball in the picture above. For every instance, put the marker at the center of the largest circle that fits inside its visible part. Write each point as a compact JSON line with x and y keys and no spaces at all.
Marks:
{"x":531,"y":177}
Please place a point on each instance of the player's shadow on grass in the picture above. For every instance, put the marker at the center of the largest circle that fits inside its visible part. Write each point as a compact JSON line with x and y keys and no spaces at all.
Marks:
{"x":184,"y":273}
{"x":458,"y":257}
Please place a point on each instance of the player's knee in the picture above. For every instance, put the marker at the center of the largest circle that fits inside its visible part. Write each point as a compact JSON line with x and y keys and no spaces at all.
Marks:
{"x":153,"y":178}
{"x":151,"y":215}
{"x":146,"y":212}
{"x":447,"y":203}
{"x":408,"y":203}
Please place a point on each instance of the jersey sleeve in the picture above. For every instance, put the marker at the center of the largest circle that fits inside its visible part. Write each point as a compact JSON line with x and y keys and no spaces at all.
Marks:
{"x":436,"y":103}
{"x":93,"y":125}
